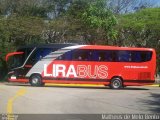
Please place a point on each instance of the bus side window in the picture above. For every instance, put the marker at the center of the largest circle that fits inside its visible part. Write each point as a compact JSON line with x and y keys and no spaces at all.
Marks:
{"x":101,"y":56}
{"x":83,"y":55}
{"x":45,"y":51}
{"x":141,"y":56}
{"x":75,"y":55}
{"x":38,"y":55}
{"x":114,"y":56}
{"x":62,"y":57}
{"x":66,"y":56}
{"x":108,"y":56}
{"x":136,"y":56}
{"x":95,"y":56}
{"x":146,"y":56}
{"x":80,"y":55}
{"x":90,"y":55}
{"x":105,"y":56}
{"x":123,"y":56}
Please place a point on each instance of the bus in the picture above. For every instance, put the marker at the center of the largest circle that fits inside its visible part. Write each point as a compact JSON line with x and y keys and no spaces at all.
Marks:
{"x":111,"y":66}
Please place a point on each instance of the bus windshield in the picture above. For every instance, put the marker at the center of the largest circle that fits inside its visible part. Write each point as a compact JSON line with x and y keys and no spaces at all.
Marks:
{"x":16,"y":61}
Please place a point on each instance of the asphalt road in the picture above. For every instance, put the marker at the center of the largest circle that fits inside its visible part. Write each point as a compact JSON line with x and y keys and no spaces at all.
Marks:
{"x":24,"y":99}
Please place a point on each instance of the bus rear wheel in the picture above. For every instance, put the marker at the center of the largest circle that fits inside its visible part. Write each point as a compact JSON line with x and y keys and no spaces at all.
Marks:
{"x":116,"y":83}
{"x":36,"y":80}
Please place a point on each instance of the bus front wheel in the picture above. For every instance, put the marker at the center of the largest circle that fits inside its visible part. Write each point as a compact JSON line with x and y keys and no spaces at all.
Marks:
{"x":116,"y":83}
{"x":36,"y":80}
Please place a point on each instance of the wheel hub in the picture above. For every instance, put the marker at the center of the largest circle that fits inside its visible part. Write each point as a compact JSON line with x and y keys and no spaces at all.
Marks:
{"x":35,"y":80}
{"x":116,"y":84}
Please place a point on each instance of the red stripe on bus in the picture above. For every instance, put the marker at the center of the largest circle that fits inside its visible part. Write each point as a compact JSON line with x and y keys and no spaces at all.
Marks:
{"x":28,"y":66}
{"x":12,"y":54}
{"x":19,"y":80}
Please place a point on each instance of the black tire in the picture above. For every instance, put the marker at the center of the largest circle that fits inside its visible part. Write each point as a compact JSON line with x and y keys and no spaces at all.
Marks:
{"x":36,"y":80}
{"x":116,"y":83}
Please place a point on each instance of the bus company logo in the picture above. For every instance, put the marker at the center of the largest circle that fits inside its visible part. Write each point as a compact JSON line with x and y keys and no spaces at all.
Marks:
{"x":79,"y":71}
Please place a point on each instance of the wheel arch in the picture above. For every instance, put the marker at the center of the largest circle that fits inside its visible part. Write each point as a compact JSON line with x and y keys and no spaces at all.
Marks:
{"x":120,"y":77}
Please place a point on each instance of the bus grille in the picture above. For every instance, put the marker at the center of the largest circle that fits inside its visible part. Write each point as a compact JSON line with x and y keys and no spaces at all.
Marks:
{"x":144,"y":76}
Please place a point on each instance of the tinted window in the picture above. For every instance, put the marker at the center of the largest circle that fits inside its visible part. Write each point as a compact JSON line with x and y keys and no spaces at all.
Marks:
{"x":141,"y":56}
{"x":80,"y":55}
{"x":65,"y":56}
{"x":17,"y":61}
{"x":102,"y":55}
{"x":107,"y":55}
{"x":123,"y":56}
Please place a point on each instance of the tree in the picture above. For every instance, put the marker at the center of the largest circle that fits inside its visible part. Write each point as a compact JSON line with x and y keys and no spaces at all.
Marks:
{"x":141,"y":28}
{"x":56,"y":30}
{"x":25,"y":29}
{"x":95,"y":21}
{"x":17,"y":31}
{"x":97,"y":16}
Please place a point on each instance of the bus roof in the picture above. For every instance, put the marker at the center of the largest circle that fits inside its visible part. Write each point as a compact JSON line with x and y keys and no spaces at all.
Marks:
{"x":98,"y":47}
{"x":53,"y":45}
{"x":102,"y":47}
